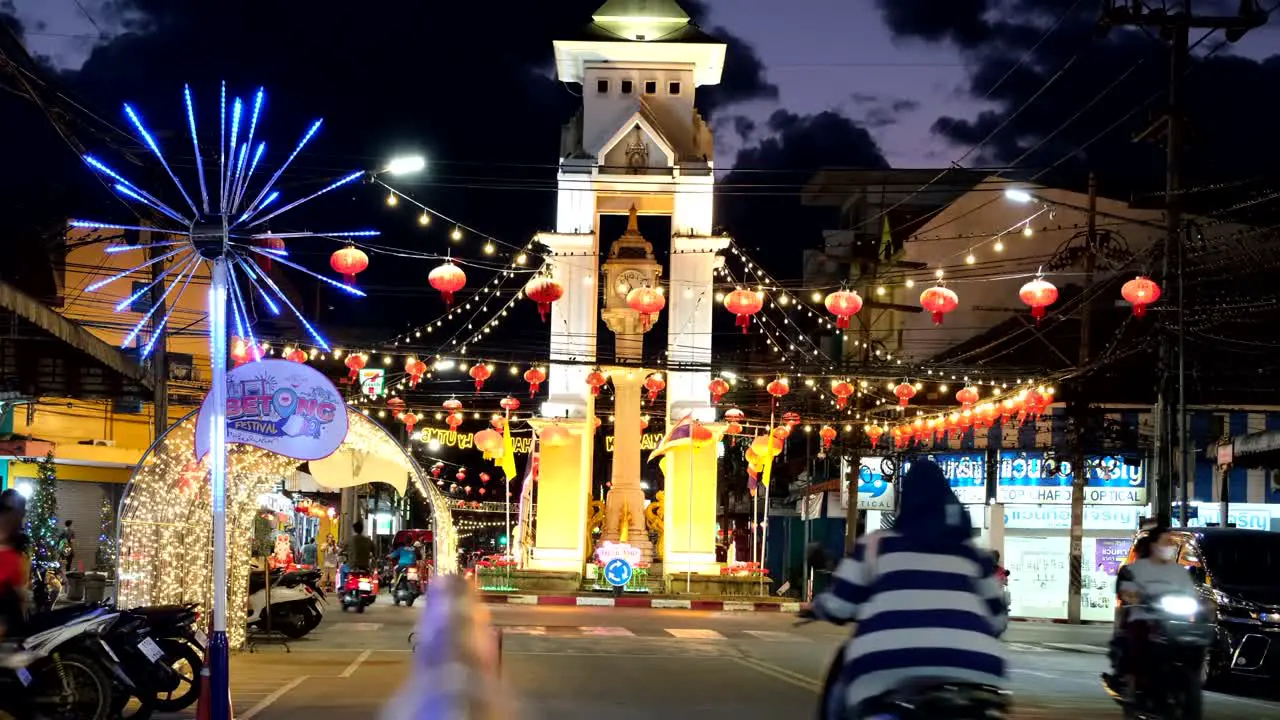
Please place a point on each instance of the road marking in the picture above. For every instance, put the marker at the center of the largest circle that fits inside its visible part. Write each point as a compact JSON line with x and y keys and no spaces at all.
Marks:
{"x":607,"y":631}
{"x":1036,"y":673}
{"x":270,"y":700}
{"x":1076,"y":647}
{"x":362,"y":626}
{"x":776,"y":636}
{"x":671,"y":604}
{"x":780,"y":674}
{"x":524,"y":630}
{"x":692,"y":634}
{"x":1024,"y":647}
{"x":355,"y":664}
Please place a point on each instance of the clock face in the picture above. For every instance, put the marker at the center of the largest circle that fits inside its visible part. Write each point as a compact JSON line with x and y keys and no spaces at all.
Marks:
{"x":627,"y":281}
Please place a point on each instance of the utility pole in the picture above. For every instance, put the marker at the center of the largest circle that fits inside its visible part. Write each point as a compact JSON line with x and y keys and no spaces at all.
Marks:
{"x":1080,"y":416}
{"x":1174,"y":26}
{"x":160,"y":354}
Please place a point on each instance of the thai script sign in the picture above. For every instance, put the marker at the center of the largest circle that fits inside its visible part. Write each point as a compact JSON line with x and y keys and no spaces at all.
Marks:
{"x":967,"y":473}
{"x":609,"y":551}
{"x":1032,"y":478}
{"x":1058,"y":517}
{"x":280,"y":406}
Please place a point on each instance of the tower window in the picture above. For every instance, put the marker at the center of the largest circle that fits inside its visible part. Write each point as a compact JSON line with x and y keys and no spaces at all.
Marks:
{"x":673,"y":88}
{"x":651,"y":87}
{"x":627,"y":87}
{"x":602,"y":86}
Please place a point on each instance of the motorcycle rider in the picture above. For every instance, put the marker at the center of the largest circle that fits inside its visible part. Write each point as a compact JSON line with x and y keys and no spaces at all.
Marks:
{"x":358,"y":549}
{"x":926,"y":601}
{"x":14,"y":568}
{"x":1145,"y":579}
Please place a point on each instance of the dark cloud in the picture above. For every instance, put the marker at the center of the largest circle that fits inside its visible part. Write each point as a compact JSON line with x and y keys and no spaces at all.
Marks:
{"x":744,"y":127}
{"x":1233,"y":119}
{"x":881,"y":110}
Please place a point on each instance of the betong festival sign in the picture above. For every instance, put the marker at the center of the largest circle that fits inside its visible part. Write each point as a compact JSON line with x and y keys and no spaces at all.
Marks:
{"x":281,"y":406}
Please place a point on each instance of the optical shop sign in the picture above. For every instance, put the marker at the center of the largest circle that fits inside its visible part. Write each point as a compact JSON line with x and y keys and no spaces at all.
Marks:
{"x":875,"y":492}
{"x":1027,"y":478}
{"x":280,"y":406}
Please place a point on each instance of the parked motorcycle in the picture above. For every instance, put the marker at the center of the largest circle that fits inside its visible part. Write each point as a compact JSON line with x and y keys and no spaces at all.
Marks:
{"x":1169,"y":686}
{"x":76,"y":672}
{"x":407,"y":587}
{"x":183,"y":644}
{"x":295,"y":610}
{"x":359,"y":591}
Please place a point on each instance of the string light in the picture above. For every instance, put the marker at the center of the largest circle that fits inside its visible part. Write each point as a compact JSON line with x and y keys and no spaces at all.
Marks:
{"x":456,"y":235}
{"x":424,"y":219}
{"x":392,"y":200}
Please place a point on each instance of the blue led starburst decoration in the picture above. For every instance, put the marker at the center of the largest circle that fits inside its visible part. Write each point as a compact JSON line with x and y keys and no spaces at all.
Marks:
{"x":222,"y":225}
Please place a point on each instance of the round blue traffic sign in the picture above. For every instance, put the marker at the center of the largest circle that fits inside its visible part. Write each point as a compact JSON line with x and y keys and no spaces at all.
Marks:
{"x":617,"y":572}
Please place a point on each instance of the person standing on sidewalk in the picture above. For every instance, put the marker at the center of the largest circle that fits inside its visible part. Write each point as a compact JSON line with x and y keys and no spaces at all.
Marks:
{"x":330,"y":562}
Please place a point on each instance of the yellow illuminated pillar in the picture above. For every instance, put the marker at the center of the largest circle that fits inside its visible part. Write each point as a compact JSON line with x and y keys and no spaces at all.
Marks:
{"x":564,"y":487}
{"x":689,"y":511}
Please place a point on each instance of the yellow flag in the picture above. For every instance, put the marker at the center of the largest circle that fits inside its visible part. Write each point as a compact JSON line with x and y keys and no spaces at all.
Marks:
{"x":508,"y":461}
{"x":768,"y":461}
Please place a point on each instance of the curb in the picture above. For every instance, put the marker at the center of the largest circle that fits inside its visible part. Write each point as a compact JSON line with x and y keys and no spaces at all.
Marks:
{"x":642,"y":603}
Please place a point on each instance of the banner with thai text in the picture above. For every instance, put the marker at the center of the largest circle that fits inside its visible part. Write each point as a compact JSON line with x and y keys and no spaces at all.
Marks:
{"x":967,"y":473}
{"x":1032,"y":478}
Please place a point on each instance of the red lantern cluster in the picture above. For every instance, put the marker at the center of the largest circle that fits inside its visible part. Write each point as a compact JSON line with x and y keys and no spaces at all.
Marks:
{"x":844,"y":304}
{"x":348,"y":262}
{"x":744,"y":303}
{"x":938,"y":301}
{"x":448,"y":279}
{"x":544,"y":290}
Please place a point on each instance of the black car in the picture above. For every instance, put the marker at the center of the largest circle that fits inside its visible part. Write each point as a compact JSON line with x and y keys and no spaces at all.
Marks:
{"x":1238,"y":573}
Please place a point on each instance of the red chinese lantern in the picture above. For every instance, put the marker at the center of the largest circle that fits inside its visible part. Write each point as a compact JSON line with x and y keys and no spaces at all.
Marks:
{"x":987,"y":414}
{"x":828,"y":435}
{"x":874,"y":432}
{"x":535,"y":377}
{"x":239,"y":351}
{"x":1140,"y":292}
{"x":733,"y":428}
{"x":596,"y":380}
{"x":938,"y":301}
{"x":448,"y":279}
{"x":554,"y":436}
{"x":778,"y":388}
{"x":452,"y":405}
{"x":297,"y":355}
{"x":462,"y":476}
{"x":453,"y":421}
{"x":479,"y":372}
{"x":349,"y":262}
{"x":416,"y":369}
{"x":497,"y":422}
{"x":269,"y":244}
{"x":718,"y":388}
{"x":792,"y":419}
{"x":396,"y":406}
{"x":488,"y":442}
{"x":734,"y":415}
{"x":409,"y":420}
{"x":1038,"y":295}
{"x":844,"y":304}
{"x":509,"y":404}
{"x":483,"y":491}
{"x":484,"y":477}
{"x":743,"y":303}
{"x":782,"y":432}
{"x":644,"y":423}
{"x":654,"y":384}
{"x":1035,"y":404}
{"x":544,"y":291}
{"x":355,"y":363}
{"x":843,"y":390}
{"x":967,"y":396}
{"x":648,"y":302}
{"x":905,"y":391}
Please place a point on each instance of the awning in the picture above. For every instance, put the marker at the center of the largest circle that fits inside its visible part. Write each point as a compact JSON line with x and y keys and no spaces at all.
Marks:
{"x":1255,"y":450}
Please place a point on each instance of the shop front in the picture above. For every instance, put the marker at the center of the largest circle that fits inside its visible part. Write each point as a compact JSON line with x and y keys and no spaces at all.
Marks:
{"x":1034,"y":492}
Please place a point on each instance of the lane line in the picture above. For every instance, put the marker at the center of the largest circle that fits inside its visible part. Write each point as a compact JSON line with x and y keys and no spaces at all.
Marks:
{"x":777,"y":636}
{"x":270,"y":700}
{"x":692,"y":634}
{"x":606,"y":631}
{"x":355,"y":664}
{"x":780,"y":674}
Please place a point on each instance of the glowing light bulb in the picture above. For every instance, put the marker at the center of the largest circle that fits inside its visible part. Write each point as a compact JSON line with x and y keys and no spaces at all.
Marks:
{"x":881,"y":291}
{"x":392,"y":200}
{"x":970,"y":259}
{"x":719,"y":297}
{"x":816,"y":296}
{"x":939,"y":273}
{"x":1027,"y":231}
{"x":424,"y":219}
{"x":521,"y":259}
{"x":910,"y":283}
{"x":456,"y":234}
{"x":488,"y":248}
{"x":999,"y":246}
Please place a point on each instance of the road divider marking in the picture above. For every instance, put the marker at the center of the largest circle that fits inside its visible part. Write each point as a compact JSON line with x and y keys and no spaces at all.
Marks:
{"x":780,"y":674}
{"x":271,"y":699}
{"x":1077,"y":647}
{"x":595,"y":602}
{"x":671,"y":604}
{"x":522,"y":600}
{"x":694,"y":634}
{"x":739,"y":607}
{"x":355,"y":664}
{"x":1024,"y":647}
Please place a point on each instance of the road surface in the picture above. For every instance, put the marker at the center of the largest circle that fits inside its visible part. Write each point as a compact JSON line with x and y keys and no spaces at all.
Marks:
{"x":570,"y":663}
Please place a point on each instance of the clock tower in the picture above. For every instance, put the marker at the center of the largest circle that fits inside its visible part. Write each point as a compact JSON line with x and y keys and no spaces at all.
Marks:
{"x":630,"y":265}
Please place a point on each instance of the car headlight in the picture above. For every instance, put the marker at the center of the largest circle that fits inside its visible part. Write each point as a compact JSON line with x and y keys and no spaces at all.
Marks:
{"x":1181,"y":605}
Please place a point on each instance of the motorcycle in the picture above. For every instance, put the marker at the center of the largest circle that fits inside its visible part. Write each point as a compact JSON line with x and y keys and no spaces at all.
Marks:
{"x":407,"y":587}
{"x":295,"y":611}
{"x":1169,"y":687}
{"x":359,"y":591}
{"x":76,"y":672}
{"x":173,"y":629}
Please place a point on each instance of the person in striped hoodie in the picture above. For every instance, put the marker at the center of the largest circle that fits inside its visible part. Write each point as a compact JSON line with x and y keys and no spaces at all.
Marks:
{"x":926,"y":600}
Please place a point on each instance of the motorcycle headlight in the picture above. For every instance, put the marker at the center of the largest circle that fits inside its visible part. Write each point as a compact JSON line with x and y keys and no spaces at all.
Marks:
{"x":1181,"y":605}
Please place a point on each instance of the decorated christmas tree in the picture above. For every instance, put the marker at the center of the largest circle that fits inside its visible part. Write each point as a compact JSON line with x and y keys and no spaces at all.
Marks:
{"x":105,"y":559}
{"x":42,"y":513}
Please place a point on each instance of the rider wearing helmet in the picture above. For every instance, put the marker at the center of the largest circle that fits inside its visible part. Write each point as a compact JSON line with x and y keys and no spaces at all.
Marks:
{"x":926,"y":600}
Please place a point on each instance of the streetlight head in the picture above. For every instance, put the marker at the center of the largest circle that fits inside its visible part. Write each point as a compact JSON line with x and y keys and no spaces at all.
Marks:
{"x":1018,"y":196}
{"x":406,"y":165}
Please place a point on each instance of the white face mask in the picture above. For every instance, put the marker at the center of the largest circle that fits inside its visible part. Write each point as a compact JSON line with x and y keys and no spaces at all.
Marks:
{"x":1166,"y":552}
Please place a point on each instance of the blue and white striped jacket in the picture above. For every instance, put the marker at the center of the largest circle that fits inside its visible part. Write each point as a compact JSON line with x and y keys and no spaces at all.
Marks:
{"x":922,"y":613}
